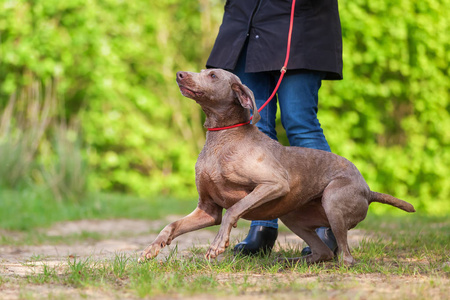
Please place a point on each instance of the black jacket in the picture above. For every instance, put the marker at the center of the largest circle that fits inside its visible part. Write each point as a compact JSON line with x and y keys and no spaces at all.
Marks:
{"x":316,"y":37}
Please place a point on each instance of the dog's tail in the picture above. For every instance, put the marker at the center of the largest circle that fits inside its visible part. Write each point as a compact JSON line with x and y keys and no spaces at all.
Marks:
{"x":391,"y":200}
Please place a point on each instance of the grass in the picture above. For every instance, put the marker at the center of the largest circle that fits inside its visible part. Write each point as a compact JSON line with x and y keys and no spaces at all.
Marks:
{"x":405,"y":257}
{"x":38,"y":146}
{"x":192,"y":275}
{"x":28,"y":209}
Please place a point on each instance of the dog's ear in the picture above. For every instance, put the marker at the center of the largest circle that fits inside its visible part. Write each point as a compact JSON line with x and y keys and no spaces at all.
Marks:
{"x":246,"y":98}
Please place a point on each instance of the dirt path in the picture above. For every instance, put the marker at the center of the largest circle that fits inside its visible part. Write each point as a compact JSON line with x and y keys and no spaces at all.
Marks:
{"x":125,"y":236}
{"x":128,"y":237}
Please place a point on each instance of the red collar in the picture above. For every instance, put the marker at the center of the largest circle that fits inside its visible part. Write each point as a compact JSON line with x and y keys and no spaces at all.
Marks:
{"x":228,"y":127}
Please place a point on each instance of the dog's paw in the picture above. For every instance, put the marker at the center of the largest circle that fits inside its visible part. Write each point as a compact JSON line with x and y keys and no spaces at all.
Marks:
{"x":213,"y":253}
{"x":151,"y":252}
{"x":216,"y":249}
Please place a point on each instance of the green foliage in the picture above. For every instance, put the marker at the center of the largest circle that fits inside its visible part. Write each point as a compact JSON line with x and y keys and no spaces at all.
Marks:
{"x":37,"y":148}
{"x":63,"y":167}
{"x":23,"y":124}
{"x":114,"y":63}
{"x":17,"y":149}
{"x":391,"y":113}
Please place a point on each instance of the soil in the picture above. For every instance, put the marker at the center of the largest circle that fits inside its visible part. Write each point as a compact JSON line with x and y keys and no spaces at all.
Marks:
{"x":130,"y":237}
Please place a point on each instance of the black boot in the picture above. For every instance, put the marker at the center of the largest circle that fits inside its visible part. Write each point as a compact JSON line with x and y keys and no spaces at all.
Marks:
{"x":327,"y":236}
{"x":259,"y":239}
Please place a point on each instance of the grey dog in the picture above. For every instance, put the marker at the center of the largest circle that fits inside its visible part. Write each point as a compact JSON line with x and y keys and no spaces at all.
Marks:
{"x":254,"y":177}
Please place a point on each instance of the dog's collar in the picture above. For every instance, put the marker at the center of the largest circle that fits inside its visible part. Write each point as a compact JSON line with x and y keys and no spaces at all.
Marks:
{"x":228,"y":127}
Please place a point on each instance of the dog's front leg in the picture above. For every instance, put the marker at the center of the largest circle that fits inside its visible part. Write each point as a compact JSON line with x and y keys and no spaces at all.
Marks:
{"x":261,"y":194}
{"x":199,"y":218}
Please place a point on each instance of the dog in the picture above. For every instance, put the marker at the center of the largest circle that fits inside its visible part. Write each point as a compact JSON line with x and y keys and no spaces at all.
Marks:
{"x":242,"y":170}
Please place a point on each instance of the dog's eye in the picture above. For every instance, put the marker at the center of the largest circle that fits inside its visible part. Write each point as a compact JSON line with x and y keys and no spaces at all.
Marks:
{"x":212,"y":75}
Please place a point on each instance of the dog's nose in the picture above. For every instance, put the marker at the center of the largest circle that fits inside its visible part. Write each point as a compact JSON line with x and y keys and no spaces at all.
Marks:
{"x":181,"y":75}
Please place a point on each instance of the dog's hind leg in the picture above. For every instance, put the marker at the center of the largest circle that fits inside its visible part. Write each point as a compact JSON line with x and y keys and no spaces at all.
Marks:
{"x":345,"y":205}
{"x":303,"y":223}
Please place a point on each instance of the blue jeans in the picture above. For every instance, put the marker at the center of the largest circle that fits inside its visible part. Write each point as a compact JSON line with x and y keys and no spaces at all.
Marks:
{"x":298,"y":101}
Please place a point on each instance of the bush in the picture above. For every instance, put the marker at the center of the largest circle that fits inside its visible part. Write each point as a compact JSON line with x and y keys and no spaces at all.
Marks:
{"x":115,"y":64}
{"x":113,"y":61}
{"x":23,"y":124}
{"x":390,"y":114}
{"x":36,"y":147}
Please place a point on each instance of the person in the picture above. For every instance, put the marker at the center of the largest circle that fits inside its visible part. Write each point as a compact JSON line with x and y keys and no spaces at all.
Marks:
{"x":252,"y":43}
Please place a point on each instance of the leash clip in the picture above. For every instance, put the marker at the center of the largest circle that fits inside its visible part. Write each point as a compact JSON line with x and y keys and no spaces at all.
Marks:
{"x":283,"y":69}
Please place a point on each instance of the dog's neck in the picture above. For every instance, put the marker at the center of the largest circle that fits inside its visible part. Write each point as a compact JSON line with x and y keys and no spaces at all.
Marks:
{"x":226,"y":118}
{"x":228,"y":127}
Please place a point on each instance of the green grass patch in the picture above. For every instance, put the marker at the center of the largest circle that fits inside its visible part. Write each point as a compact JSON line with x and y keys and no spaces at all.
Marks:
{"x":29,"y":209}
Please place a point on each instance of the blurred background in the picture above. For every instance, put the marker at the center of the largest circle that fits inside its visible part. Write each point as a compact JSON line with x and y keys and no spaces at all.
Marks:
{"x":89,"y":105}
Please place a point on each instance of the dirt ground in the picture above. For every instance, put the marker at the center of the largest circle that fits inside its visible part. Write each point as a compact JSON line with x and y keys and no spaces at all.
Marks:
{"x":13,"y":257}
{"x":130,"y":237}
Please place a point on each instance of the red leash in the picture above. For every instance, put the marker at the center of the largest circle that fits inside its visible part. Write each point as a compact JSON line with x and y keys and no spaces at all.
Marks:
{"x":283,"y":71}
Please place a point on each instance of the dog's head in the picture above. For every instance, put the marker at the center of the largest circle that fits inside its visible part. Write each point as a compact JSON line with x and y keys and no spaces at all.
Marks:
{"x":218,"y":92}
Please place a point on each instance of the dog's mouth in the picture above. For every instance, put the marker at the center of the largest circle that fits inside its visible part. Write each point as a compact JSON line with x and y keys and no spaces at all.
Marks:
{"x":187,"y":92}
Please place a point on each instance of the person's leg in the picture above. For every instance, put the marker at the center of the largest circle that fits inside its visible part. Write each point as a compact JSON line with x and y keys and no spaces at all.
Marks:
{"x":298,"y":98}
{"x":263,"y":233}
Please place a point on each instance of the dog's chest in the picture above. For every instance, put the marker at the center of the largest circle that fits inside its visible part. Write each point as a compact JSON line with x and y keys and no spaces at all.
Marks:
{"x":214,"y":178}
